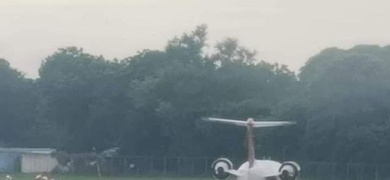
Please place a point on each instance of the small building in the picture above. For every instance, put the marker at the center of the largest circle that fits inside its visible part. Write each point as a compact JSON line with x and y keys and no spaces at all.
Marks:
{"x":27,"y":160}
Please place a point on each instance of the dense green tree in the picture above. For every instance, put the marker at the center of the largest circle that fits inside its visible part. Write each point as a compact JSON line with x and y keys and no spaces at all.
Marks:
{"x":151,"y":103}
{"x":17,"y":106}
{"x":347,"y":96}
{"x":172,"y":89}
{"x":83,"y":97}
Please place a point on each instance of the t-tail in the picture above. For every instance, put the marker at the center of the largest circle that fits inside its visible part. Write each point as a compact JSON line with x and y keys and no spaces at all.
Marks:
{"x":250,"y":124}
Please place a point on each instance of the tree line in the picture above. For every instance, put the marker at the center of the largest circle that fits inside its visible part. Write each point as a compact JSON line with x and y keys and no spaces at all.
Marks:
{"x":151,"y":103}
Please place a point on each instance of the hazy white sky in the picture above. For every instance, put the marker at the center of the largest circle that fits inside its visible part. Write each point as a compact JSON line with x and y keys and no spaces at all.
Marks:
{"x":283,"y":31}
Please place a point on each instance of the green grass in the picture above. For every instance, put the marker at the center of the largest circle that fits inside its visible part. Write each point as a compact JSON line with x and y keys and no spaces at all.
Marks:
{"x":77,"y":177}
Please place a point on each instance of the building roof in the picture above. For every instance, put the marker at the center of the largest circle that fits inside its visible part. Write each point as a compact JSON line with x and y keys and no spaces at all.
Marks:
{"x":28,"y":150}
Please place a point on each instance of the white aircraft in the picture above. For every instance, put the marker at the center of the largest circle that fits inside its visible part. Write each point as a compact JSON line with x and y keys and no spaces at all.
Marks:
{"x":254,"y":169}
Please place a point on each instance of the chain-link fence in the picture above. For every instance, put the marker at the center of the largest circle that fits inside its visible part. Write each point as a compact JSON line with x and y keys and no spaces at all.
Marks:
{"x":201,"y":167}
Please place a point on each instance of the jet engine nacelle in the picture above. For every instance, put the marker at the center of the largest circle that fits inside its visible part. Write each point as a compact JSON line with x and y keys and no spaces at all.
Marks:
{"x":289,"y":170}
{"x":220,"y":166}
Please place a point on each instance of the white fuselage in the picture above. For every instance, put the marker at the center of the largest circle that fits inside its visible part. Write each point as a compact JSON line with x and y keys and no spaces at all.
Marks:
{"x":260,"y":170}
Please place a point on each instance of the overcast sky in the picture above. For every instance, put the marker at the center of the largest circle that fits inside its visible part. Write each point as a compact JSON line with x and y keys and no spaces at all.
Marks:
{"x":283,"y":31}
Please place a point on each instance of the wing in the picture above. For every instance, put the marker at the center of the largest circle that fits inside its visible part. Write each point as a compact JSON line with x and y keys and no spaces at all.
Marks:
{"x":227,"y":121}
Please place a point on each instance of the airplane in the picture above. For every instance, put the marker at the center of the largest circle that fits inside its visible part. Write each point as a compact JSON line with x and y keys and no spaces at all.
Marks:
{"x":254,"y":169}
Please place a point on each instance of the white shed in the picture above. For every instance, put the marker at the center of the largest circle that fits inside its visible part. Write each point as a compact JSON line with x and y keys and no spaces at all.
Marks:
{"x":39,"y":161}
{"x":34,"y":160}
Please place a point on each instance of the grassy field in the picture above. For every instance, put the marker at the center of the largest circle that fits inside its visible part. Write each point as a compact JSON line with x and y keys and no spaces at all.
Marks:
{"x":72,"y":177}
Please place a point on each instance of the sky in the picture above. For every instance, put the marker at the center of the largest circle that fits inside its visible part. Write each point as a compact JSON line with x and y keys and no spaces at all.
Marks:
{"x":281,"y":31}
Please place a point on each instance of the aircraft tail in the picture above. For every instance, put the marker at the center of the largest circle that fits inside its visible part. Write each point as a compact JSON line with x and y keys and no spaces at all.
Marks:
{"x":250,"y":124}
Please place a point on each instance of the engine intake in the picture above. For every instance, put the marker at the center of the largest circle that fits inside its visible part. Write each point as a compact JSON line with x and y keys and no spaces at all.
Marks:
{"x":289,"y":170}
{"x":220,"y":166}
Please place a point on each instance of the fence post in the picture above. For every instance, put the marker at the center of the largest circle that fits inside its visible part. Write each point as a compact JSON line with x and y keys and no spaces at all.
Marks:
{"x":137,"y":171}
{"x":376,"y":173}
{"x":112,"y":169}
{"x":165,"y":165}
{"x":151,"y":164}
{"x":178,"y":166}
{"x":333,"y":169}
{"x":347,"y":177}
{"x":318,"y":170}
{"x":361,"y":171}
{"x":192,"y":166}
{"x":206,"y":165}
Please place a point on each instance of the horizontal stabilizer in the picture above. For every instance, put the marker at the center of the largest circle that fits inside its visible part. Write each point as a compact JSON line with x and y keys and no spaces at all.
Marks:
{"x":272,"y":123}
{"x":254,"y":123}
{"x":227,"y":121}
